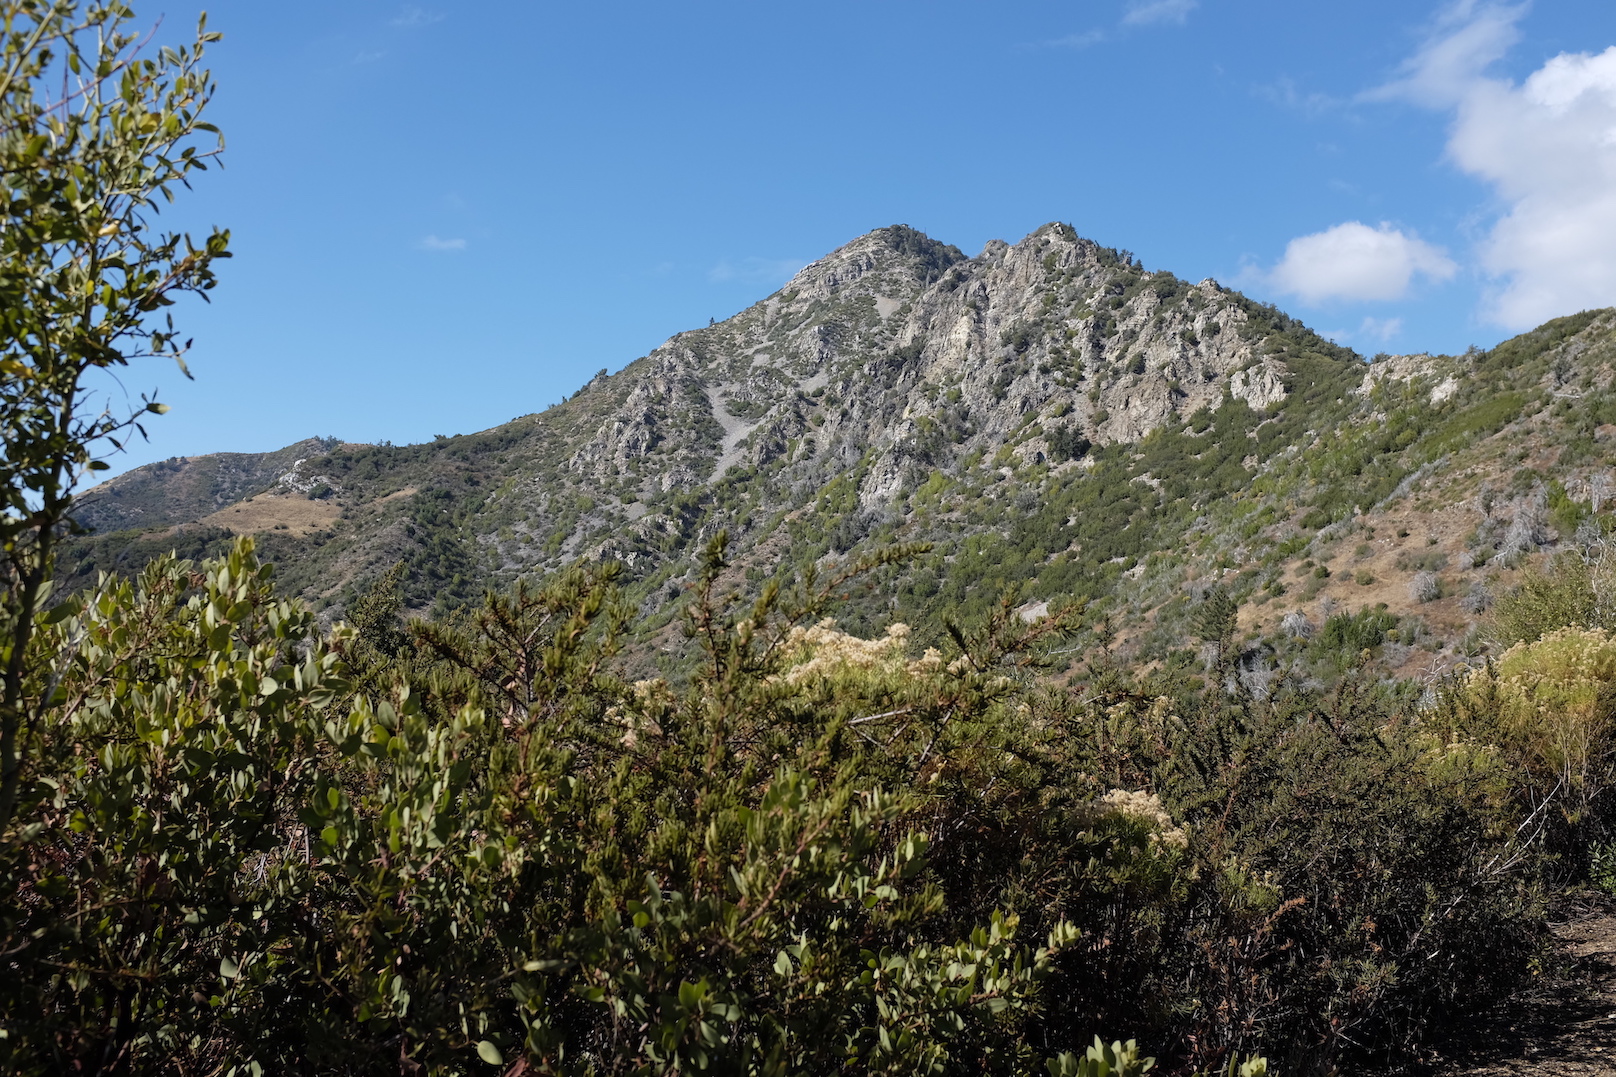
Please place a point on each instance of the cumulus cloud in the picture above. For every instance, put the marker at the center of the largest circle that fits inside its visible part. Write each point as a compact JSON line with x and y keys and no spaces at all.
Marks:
{"x":1150,"y":12}
{"x":1548,"y":149}
{"x":433,"y":243}
{"x":1355,"y":261}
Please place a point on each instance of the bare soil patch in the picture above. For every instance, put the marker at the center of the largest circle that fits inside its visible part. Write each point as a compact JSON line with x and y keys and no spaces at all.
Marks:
{"x":295,"y":515}
{"x":396,"y":495}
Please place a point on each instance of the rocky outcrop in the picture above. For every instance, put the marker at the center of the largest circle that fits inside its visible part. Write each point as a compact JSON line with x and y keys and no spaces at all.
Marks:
{"x":1260,"y":387}
{"x":901,"y":353}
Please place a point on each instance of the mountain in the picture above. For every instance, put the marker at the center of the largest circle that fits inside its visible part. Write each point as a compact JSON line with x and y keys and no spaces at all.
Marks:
{"x":1048,"y":415}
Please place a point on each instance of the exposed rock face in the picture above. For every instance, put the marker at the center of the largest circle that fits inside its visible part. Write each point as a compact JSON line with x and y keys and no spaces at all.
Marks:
{"x":1260,"y":387}
{"x":901,"y":352}
{"x":297,"y":481}
{"x":1403,"y":368}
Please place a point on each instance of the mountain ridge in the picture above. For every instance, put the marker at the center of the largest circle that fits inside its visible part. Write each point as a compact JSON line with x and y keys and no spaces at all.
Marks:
{"x":1047,"y":414}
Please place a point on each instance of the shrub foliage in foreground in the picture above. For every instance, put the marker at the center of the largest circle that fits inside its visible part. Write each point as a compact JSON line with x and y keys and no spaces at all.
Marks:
{"x":223,"y":861}
{"x":820,"y":855}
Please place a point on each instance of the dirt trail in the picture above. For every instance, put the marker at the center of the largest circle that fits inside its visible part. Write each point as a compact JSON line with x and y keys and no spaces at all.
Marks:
{"x":1564,"y":1026}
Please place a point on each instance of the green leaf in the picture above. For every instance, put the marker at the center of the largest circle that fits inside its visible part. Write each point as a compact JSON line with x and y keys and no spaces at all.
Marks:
{"x":489,"y":1053}
{"x":61,"y":611}
{"x":228,"y":968}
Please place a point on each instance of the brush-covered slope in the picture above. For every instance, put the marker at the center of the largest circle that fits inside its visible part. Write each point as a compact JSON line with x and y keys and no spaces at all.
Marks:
{"x":183,"y":490}
{"x":1048,"y":415}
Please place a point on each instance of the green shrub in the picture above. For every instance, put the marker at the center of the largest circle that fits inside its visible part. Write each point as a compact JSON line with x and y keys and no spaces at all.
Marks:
{"x":1602,"y":867}
{"x":1551,"y":703}
{"x":502,"y":862}
{"x":1567,"y":591}
{"x":1067,"y":443}
{"x":483,"y":845}
{"x":1278,"y":797}
{"x":1483,"y":420}
{"x":1350,"y":633}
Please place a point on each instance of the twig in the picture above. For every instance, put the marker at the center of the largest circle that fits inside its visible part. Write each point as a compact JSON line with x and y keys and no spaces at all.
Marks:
{"x":883,"y":714}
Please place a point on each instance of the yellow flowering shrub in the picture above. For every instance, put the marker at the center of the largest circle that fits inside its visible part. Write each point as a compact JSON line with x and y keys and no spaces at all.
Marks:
{"x":1552,"y":704}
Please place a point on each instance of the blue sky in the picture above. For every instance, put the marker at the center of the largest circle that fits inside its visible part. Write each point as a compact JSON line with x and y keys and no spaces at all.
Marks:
{"x":447,"y":215}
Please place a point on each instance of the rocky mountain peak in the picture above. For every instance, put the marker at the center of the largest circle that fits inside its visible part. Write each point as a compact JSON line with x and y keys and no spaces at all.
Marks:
{"x":894,"y":262}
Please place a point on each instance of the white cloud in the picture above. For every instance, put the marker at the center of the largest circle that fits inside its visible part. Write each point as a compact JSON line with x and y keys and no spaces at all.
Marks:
{"x":412,"y":17}
{"x":1465,"y":40}
{"x":1370,"y":332}
{"x":1134,"y":13}
{"x":1548,"y":149}
{"x":433,"y":243}
{"x":755,"y":270}
{"x":1284,"y":92}
{"x":1379,"y":329}
{"x":1078,"y":41}
{"x":1355,"y":261}
{"x":1150,"y":12}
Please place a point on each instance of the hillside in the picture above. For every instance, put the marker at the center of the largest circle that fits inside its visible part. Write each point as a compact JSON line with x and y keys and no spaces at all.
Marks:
{"x":183,"y":490}
{"x":1048,"y":415}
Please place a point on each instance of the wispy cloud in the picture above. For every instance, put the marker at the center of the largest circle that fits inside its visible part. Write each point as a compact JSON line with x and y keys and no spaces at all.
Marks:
{"x":1463,"y":40}
{"x":433,"y":243}
{"x":1285,"y":93}
{"x":1466,"y":38}
{"x":755,"y":270}
{"x":1382,"y":330}
{"x":1371,"y":332}
{"x":368,"y":57}
{"x":413,"y":17}
{"x":1078,"y":41}
{"x":1153,"y":12}
{"x":1136,"y":13}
